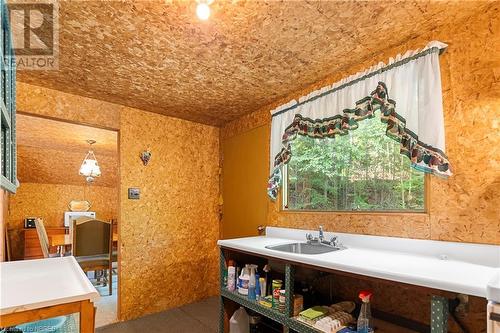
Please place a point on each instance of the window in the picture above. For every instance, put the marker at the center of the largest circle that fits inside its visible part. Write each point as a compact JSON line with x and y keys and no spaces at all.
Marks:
{"x":361,"y":171}
{"x":7,"y":106}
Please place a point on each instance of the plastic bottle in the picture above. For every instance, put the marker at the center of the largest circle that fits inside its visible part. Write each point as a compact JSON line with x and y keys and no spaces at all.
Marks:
{"x":239,"y":322}
{"x":252,"y":283}
{"x":244,"y":280}
{"x":231,"y":278}
{"x":257,"y":286}
{"x":224,"y":279}
{"x":364,"y":319}
{"x":263,"y":287}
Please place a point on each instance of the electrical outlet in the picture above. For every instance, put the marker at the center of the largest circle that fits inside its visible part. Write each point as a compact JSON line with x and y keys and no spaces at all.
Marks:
{"x":134,"y":193}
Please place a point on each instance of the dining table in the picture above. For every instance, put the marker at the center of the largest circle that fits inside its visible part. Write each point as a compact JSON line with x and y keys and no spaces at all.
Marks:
{"x":63,"y":240}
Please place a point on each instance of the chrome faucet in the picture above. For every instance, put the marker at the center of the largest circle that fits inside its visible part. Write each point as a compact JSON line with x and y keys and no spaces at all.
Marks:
{"x":321,"y":235}
{"x":321,"y":239}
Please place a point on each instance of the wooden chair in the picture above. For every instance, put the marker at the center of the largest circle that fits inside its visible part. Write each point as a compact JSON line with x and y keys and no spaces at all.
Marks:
{"x":43,"y":238}
{"x":92,"y":246}
{"x":114,"y":249}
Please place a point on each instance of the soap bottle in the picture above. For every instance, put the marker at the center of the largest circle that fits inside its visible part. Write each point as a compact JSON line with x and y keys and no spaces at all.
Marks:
{"x":252,"y":283}
{"x":364,"y":319}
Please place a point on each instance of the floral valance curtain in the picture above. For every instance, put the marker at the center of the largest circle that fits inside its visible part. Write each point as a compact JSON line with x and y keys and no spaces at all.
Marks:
{"x":407,"y":93}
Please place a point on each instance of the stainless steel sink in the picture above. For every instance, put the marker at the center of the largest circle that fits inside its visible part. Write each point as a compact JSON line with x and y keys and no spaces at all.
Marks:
{"x":303,"y":248}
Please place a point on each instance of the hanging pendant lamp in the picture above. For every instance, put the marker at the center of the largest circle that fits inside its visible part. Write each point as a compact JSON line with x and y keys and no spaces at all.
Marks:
{"x":90,"y":168}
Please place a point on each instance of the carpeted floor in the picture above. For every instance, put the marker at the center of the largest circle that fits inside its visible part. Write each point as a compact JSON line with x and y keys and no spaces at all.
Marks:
{"x":200,"y":317}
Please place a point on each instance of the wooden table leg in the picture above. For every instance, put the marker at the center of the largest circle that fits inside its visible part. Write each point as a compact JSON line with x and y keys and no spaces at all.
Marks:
{"x":87,"y":317}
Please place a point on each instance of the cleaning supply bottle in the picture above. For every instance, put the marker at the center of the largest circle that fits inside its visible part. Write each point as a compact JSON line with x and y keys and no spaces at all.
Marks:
{"x":252,"y":283}
{"x":257,"y":286}
{"x":243,"y":280}
{"x":231,"y":276}
{"x":364,"y":319}
{"x":239,"y":322}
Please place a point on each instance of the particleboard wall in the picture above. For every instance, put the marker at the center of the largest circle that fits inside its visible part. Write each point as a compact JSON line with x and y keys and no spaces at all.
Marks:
{"x":169,"y":251}
{"x":50,"y":201}
{"x":55,"y":104}
{"x":168,"y":237}
{"x":466,"y":207}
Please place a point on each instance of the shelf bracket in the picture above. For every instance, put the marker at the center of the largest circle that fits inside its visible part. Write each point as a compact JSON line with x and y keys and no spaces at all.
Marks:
{"x":439,"y":314}
{"x":289,"y":281}
{"x":222,"y":268}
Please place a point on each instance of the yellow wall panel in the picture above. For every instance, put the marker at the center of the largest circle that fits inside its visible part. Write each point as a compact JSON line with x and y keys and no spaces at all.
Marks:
{"x":244,"y":176}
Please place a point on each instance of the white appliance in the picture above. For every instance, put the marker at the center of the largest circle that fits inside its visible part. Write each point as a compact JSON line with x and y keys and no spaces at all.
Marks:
{"x":70,"y":216}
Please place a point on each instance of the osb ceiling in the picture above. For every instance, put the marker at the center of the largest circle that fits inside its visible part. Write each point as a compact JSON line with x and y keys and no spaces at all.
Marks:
{"x":51,"y":152}
{"x":157,"y":56}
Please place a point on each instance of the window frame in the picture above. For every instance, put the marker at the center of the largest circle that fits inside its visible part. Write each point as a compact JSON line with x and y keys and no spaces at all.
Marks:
{"x":8,"y":180}
{"x":283,"y":200}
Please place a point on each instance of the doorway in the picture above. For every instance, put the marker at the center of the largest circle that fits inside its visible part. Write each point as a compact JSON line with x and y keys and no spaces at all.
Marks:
{"x":51,"y":186}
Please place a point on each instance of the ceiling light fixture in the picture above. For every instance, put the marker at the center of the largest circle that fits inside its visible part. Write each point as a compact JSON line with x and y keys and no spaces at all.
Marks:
{"x":203,"y":9}
{"x":89,"y":168}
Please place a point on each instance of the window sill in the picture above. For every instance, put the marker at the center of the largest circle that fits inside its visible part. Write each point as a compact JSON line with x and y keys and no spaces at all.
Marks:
{"x":355,"y":212}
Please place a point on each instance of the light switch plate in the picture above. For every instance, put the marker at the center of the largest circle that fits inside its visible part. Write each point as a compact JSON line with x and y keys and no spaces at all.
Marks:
{"x":134,"y":193}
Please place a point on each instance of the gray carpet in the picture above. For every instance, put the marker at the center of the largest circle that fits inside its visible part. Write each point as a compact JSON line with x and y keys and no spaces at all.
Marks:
{"x":200,"y":317}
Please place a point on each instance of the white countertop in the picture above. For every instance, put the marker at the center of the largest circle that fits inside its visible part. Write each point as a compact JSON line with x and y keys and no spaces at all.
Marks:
{"x":457,"y":267}
{"x":493,"y":288}
{"x":33,"y":284}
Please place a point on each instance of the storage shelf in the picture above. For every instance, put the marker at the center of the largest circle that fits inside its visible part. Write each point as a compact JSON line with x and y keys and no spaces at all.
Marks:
{"x":270,"y":313}
{"x":255,"y":306}
{"x":438,"y":302}
{"x":301,"y":327}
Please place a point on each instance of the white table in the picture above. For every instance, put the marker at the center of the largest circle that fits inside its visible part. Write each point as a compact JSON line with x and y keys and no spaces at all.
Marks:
{"x":32,"y":290}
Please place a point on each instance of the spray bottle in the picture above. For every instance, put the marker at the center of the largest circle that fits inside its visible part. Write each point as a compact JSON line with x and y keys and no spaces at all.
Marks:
{"x":364,"y":319}
{"x":252,"y":283}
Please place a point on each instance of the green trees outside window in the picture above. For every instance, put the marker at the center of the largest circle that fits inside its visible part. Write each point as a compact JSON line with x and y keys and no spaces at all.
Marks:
{"x":362,"y":170}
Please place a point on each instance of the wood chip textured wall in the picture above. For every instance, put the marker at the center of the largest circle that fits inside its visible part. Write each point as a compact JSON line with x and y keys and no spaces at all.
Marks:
{"x":466,"y":207}
{"x":168,"y":237}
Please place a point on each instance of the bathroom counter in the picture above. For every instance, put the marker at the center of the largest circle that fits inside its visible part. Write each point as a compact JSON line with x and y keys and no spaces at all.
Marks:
{"x":456,"y":267}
